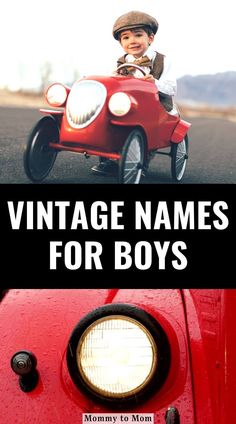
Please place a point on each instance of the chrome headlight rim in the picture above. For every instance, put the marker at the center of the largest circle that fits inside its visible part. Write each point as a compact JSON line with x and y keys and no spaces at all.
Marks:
{"x":131,"y":321}
{"x":76,"y":102}
{"x":160,"y":368}
{"x":56,"y":99}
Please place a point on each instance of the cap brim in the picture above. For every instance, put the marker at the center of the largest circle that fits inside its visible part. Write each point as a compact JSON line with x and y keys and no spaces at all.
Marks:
{"x":116,"y":33}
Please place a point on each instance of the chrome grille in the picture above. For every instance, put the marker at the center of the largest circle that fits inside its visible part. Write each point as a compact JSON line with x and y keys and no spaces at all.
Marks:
{"x":85,"y":102}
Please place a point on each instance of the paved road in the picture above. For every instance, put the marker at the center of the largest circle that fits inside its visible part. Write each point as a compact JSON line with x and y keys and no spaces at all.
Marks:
{"x":212,"y":156}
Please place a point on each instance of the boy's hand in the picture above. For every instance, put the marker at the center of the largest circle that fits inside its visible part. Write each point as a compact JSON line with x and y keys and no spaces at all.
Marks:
{"x":149,"y":78}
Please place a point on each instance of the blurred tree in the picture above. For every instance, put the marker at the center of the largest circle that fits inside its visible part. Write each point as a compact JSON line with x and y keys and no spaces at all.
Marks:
{"x":45,"y":74}
{"x":76,"y":75}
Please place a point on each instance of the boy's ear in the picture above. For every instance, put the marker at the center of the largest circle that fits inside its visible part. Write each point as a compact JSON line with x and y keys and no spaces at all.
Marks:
{"x":151,"y":38}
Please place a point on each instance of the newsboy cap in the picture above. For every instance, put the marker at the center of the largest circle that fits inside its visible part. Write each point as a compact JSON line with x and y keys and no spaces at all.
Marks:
{"x":134,"y":19}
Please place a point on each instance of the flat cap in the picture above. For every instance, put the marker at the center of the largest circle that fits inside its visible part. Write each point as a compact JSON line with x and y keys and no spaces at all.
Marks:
{"x":134,"y":19}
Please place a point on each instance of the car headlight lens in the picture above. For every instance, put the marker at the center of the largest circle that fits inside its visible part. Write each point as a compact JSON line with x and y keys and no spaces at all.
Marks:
{"x":117,"y":357}
{"x":56,"y":95}
{"x":119,"y":104}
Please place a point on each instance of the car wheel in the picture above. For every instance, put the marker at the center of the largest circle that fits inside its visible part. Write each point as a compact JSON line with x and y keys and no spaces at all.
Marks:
{"x":179,"y":156}
{"x":132,"y":158}
{"x":38,"y":156}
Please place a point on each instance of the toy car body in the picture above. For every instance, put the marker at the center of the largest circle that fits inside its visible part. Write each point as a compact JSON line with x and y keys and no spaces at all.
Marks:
{"x":116,"y":117}
{"x":79,"y":355}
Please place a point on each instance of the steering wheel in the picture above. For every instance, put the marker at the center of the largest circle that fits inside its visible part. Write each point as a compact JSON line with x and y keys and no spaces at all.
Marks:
{"x":129,"y":65}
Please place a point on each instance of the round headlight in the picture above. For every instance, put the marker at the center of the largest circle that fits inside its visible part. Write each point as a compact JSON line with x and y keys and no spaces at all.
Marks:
{"x":123,"y":357}
{"x":56,"y":95}
{"x":119,"y":104}
{"x":116,"y":353}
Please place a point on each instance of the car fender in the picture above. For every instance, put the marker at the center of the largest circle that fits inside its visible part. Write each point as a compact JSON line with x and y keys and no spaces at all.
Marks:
{"x":180,"y":131}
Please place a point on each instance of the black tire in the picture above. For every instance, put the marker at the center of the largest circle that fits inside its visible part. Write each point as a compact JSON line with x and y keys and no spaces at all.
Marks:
{"x":179,"y":156}
{"x":132,"y":158}
{"x":39,"y":158}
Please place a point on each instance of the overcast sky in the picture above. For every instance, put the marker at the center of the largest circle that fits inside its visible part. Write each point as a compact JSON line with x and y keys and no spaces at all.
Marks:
{"x":75,"y":36}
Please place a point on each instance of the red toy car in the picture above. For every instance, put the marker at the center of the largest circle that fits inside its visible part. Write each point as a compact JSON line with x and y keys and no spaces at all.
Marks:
{"x":117,"y":117}
{"x":109,"y":355}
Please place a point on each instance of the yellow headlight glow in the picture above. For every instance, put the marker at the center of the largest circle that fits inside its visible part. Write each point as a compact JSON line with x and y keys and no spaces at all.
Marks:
{"x":117,"y":356}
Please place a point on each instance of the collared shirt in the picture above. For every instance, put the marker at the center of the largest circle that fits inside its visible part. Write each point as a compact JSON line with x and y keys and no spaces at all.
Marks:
{"x":167,"y":82}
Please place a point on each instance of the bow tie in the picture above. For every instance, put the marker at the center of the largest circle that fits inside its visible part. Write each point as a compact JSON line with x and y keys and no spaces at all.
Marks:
{"x":141,"y":61}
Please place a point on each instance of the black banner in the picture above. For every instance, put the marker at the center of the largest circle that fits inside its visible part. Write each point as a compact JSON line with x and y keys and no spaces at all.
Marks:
{"x":117,"y":236}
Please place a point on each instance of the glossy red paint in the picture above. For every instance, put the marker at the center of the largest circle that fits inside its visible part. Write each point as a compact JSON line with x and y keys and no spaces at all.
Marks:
{"x":88,"y":151}
{"x":107,"y":133}
{"x":180,"y":131}
{"x":211,"y":325}
{"x":199,"y":325}
{"x":116,"y":117}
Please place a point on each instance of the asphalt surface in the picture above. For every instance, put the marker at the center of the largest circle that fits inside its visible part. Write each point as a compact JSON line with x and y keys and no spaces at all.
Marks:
{"x":212,"y":154}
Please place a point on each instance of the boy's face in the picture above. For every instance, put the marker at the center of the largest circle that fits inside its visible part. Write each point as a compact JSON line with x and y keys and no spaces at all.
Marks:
{"x":135,"y":41}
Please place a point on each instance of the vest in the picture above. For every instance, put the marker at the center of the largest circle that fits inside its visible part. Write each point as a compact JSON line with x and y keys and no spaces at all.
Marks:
{"x":156,"y":71}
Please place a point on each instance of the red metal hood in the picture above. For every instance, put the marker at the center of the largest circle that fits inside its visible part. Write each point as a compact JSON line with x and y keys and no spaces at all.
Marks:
{"x":42,"y":320}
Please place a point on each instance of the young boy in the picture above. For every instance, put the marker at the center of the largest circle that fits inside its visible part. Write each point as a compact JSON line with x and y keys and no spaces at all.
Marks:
{"x":136,"y":31}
